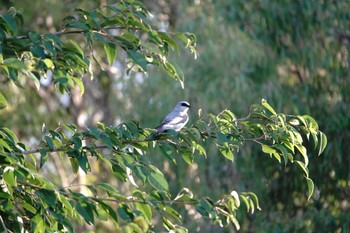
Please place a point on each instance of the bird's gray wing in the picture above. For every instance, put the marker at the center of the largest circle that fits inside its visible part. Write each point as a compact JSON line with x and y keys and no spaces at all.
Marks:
{"x":174,"y":123}
{"x":173,"y":120}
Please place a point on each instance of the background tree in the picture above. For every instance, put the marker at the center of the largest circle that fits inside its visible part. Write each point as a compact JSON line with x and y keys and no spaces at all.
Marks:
{"x":228,"y":68}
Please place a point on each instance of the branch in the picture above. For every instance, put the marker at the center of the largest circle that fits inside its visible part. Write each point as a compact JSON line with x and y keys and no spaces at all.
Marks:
{"x":61,"y":149}
{"x":257,"y":139}
{"x":64,"y":32}
{"x":65,"y":193}
{"x":3,"y":225}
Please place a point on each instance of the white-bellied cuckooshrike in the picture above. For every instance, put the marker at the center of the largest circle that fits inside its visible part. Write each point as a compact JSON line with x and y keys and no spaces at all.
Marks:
{"x":176,"y":119}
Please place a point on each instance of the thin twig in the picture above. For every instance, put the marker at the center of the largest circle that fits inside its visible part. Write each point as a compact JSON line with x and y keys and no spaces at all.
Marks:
{"x":257,"y":139}
{"x":126,"y":200}
{"x":3,"y":225}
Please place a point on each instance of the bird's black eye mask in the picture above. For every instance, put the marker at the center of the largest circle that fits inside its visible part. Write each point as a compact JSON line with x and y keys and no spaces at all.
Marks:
{"x":185,"y":105}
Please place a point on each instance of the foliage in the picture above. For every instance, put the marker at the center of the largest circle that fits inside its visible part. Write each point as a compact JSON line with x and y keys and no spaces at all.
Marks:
{"x":29,"y":200}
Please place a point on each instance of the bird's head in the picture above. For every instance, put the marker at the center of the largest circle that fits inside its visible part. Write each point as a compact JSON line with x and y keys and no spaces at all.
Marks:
{"x":182,"y":106}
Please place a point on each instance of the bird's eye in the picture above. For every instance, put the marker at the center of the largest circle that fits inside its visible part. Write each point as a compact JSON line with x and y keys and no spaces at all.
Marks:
{"x":185,"y":105}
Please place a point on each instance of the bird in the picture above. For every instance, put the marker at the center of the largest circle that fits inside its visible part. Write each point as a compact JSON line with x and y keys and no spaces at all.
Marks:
{"x":176,"y":119}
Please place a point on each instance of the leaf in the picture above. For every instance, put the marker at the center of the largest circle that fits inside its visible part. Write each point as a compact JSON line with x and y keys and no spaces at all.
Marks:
{"x":43,"y":157}
{"x":49,"y":63}
{"x":303,"y":152}
{"x":119,"y":172}
{"x":110,"y":211}
{"x":234,"y":194}
{"x":145,"y":210}
{"x":157,"y":179}
{"x":107,"y":141}
{"x":75,"y":164}
{"x":107,"y":187}
{"x":323,"y":143}
{"x":49,"y":143}
{"x":187,"y":157}
{"x":10,"y":135}
{"x":139,"y":59}
{"x":78,"y":25}
{"x":48,"y":196}
{"x":226,"y":152}
{"x":9,"y":178}
{"x":39,"y":224}
{"x":34,"y":37}
{"x":125,"y":213}
{"x":310,"y":188}
{"x":303,"y":167}
{"x":311,"y":123}
{"x":9,"y":24}
{"x":3,"y":102}
{"x":111,"y":52}
{"x":85,"y":210}
{"x":173,"y":213}
{"x":269,"y":150}
{"x":205,"y":208}
{"x":38,"y":51}
{"x":84,"y":163}
{"x":267,"y":106}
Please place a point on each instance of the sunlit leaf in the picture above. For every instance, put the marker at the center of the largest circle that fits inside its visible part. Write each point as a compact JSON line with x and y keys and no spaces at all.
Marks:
{"x":267,"y":106}
{"x":310,"y":187}
{"x":3,"y":102}
{"x":323,"y":143}
{"x":157,"y":179}
{"x":145,"y":210}
{"x":111,"y":52}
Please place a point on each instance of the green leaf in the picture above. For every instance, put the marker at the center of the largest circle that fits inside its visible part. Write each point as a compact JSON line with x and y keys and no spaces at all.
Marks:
{"x":38,"y":51}
{"x":145,"y":210}
{"x":85,"y":210}
{"x":310,"y":187}
{"x":49,"y":63}
{"x":119,"y":172}
{"x":95,"y":132}
{"x":84,"y":163}
{"x":205,"y":208}
{"x":269,"y":150}
{"x":10,"y":135}
{"x":323,"y":143}
{"x":9,"y":178}
{"x":75,"y":164}
{"x":107,"y":141}
{"x":111,"y":52}
{"x":43,"y":157}
{"x":139,"y":59}
{"x":38,"y":224}
{"x":49,"y":143}
{"x":173,"y":213}
{"x":125,"y":213}
{"x":311,"y":123}
{"x":187,"y":157}
{"x":226,"y":152}
{"x":303,"y":152}
{"x":267,"y":106}
{"x":9,"y":24}
{"x":107,"y":187}
{"x":78,"y":25}
{"x":110,"y":211}
{"x":246,"y":202}
{"x":303,"y":167}
{"x":34,"y":37}
{"x":157,"y":179}
{"x":48,"y":196}
{"x":3,"y":102}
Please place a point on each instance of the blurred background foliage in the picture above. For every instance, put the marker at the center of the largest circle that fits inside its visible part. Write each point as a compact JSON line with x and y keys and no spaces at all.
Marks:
{"x":295,"y":54}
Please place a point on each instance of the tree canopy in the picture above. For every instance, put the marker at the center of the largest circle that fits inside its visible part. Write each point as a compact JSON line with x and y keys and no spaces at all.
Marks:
{"x":92,"y":163}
